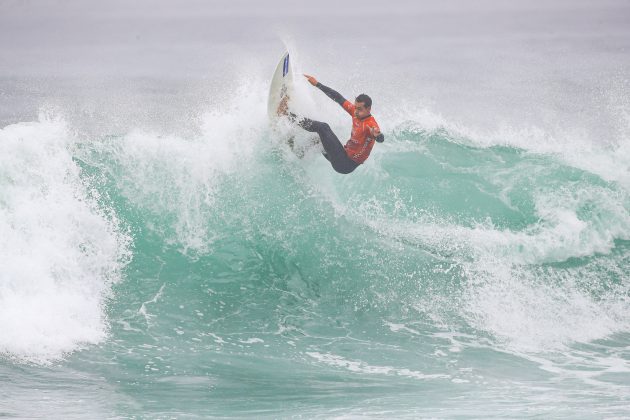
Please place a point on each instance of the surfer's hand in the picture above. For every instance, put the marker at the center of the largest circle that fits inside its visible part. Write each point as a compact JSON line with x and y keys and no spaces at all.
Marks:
{"x":311,"y":80}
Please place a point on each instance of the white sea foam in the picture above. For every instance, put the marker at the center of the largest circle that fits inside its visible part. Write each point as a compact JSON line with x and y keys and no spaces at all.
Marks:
{"x":59,"y":252}
{"x":359,"y":366}
{"x":510,"y":296}
{"x":178,"y":177}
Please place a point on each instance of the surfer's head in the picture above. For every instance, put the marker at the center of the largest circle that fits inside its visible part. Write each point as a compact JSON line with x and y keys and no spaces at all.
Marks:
{"x":362,"y":106}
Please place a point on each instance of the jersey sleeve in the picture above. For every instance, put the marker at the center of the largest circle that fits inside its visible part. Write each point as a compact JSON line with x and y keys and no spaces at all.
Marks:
{"x":372,"y":124}
{"x":349,"y":107}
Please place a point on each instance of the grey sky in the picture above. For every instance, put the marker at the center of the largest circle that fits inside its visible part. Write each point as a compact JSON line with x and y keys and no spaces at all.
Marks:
{"x":458,"y":57}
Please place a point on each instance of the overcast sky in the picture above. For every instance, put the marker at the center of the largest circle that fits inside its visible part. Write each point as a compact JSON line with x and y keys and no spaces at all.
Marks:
{"x":458,"y":57}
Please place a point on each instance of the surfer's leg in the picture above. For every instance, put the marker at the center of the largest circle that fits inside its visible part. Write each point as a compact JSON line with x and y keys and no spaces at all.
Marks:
{"x":329,"y":140}
{"x":334,"y":150}
{"x":342,"y":164}
{"x":308,"y":124}
{"x":305,"y":123}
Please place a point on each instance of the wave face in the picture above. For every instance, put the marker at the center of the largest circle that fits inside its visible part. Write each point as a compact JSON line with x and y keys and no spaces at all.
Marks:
{"x":217,"y":273}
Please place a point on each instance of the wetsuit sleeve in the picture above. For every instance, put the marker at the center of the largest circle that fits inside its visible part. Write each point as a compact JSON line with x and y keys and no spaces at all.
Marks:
{"x":331,"y":93}
{"x":336,"y":96}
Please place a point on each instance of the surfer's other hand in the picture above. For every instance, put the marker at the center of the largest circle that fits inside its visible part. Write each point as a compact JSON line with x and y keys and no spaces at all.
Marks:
{"x":311,"y":80}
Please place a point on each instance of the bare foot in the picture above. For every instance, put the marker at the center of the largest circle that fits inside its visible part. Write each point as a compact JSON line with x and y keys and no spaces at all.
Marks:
{"x":283,"y":106}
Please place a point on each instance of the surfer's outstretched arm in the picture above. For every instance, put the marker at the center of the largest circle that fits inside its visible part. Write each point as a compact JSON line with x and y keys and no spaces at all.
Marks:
{"x":331,"y":93}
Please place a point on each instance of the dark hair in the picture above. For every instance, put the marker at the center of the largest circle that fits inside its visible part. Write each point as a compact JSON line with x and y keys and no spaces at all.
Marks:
{"x":365,"y":99}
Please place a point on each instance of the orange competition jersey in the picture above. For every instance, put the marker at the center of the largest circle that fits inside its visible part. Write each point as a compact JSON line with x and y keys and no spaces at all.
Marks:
{"x":361,"y":140}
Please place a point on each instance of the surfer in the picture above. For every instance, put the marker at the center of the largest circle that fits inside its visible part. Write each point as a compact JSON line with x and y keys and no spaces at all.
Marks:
{"x":365,"y":130}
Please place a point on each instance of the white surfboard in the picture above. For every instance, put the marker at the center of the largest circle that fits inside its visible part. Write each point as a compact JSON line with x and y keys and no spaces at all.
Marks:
{"x":281,"y":86}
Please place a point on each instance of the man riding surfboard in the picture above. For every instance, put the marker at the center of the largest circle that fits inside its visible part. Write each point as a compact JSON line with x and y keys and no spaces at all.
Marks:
{"x":365,"y":130}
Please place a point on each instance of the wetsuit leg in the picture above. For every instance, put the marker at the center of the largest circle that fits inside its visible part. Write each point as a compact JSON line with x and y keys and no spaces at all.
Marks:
{"x":335,"y":151}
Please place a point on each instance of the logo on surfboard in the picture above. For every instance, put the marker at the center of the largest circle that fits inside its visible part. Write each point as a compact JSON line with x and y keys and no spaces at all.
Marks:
{"x":285,"y":66}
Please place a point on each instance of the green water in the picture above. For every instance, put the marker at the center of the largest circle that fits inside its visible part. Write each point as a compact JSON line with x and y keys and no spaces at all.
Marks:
{"x":442,"y":278}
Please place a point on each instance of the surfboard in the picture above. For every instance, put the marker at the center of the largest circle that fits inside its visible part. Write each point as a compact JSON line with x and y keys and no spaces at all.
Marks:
{"x":281,"y":87}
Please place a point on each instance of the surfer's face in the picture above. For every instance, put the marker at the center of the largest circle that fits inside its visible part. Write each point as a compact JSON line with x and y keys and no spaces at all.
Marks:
{"x":360,"y":110}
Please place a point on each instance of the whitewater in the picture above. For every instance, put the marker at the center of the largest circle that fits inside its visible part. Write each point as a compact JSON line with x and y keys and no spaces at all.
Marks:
{"x":164,"y":254}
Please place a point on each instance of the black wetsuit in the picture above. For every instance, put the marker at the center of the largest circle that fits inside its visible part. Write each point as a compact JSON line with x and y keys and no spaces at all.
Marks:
{"x":335,"y":151}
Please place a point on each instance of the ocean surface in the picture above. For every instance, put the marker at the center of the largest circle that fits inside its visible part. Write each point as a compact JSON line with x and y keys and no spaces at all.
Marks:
{"x":163,"y":254}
